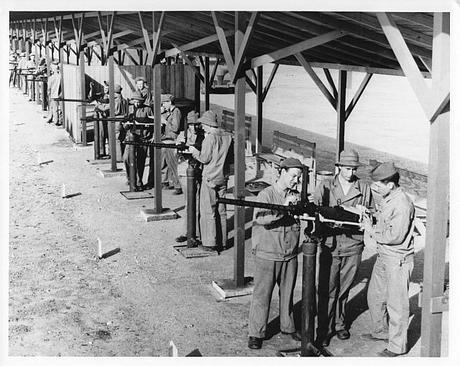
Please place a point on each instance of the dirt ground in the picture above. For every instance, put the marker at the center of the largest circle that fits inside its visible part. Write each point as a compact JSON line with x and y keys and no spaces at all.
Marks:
{"x":63,"y":301}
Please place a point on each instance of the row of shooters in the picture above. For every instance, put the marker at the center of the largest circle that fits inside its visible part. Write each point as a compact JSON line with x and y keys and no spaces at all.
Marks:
{"x":202,"y":143}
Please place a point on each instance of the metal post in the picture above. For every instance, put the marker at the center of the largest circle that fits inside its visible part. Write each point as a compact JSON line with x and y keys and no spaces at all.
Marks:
{"x":341,"y":112}
{"x":191,"y":205}
{"x":240,"y":144}
{"x":157,"y":136}
{"x":309,"y":248}
{"x":82,"y":95}
{"x":258,"y":141}
{"x":112,"y":138}
{"x":207,"y":87}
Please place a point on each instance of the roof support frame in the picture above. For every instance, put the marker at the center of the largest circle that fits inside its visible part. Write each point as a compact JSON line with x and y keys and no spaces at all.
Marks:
{"x":223,"y":42}
{"x":195,"y":44}
{"x":269,"y":81}
{"x":358,"y":94}
{"x":189,"y":62}
{"x":294,"y":49}
{"x":330,"y":81}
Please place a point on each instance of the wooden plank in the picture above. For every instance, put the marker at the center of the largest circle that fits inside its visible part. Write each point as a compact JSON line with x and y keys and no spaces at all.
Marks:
{"x":223,"y":42}
{"x":269,"y":81}
{"x":357,"y":95}
{"x":316,"y":80}
{"x":405,"y":59}
{"x":157,"y":136}
{"x":213,"y":72}
{"x":156,"y":37}
{"x":188,"y":61}
{"x":206,"y":83}
{"x":438,"y":195}
{"x":331,"y":82}
{"x":239,"y":213}
{"x":294,"y":49}
{"x":341,"y":100}
{"x":196,"y":44}
{"x":240,"y":55}
{"x":259,"y":101}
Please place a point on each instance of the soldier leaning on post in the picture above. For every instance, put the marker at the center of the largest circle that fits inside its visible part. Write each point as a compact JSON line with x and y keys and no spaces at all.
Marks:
{"x":54,"y":93}
{"x":171,"y":122}
{"x":275,"y":243}
{"x":341,"y":248}
{"x":213,"y":156}
{"x":142,"y":113}
{"x":193,"y":136}
{"x":388,"y":292}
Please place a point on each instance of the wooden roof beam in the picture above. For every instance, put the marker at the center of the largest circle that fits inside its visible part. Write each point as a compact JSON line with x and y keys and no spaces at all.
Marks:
{"x":331,"y":82}
{"x":294,"y":49}
{"x":189,"y":62}
{"x":405,"y":59}
{"x":223,"y":42}
{"x":241,"y":53}
{"x":269,"y":81}
{"x":418,"y":18}
{"x":156,"y":37}
{"x":357,"y":95}
{"x":316,"y":80}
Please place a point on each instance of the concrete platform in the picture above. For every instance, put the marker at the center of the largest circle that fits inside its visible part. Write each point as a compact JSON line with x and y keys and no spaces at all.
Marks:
{"x":136,"y":195}
{"x":149,"y":214}
{"x":193,"y":252}
{"x":108,"y":173}
{"x":226,"y":288}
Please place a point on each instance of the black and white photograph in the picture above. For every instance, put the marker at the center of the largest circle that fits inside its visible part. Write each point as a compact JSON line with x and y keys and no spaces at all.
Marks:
{"x":226,"y":179}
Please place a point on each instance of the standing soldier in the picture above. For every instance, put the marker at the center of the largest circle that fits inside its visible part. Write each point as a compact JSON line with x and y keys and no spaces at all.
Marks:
{"x":171,"y":121}
{"x":54,"y":93}
{"x":141,"y":113}
{"x":341,"y":248}
{"x":388,"y":293}
{"x":275,"y":244}
{"x":142,"y":88}
{"x":213,"y":154}
{"x":121,"y":109}
{"x":193,"y":136}
{"x":30,"y":69}
{"x":101,"y":110}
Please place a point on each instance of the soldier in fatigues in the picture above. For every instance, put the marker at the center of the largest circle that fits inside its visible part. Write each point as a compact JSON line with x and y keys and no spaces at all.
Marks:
{"x":388,"y":293}
{"x":341,"y":248}
{"x":275,"y":244}
{"x":213,"y":154}
{"x":54,"y":93}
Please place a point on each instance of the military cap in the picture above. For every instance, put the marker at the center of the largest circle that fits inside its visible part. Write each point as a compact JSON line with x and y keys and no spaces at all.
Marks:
{"x":167,"y":98}
{"x":383,"y":171}
{"x":291,"y":163}
{"x":192,"y":118}
{"x":141,"y":78}
{"x":117,"y":88}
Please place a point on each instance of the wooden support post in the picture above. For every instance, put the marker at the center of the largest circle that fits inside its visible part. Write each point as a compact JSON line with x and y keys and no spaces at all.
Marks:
{"x":156,"y":80}
{"x":258,"y":140}
{"x":82,"y":95}
{"x":206,"y":84}
{"x":197,"y":90}
{"x":438,"y":195}
{"x":341,"y":100}
{"x":240,"y":144}
{"x":112,"y":139}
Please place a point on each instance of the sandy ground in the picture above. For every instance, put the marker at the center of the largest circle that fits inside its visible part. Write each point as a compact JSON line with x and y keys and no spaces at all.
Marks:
{"x":63,"y":301}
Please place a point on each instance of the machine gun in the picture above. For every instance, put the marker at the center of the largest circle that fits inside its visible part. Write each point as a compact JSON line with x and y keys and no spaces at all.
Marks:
{"x":180,"y":147}
{"x":319,"y":216}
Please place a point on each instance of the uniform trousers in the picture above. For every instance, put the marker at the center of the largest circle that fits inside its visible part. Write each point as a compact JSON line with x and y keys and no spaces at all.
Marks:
{"x":267,"y":273}
{"x":336,"y":276}
{"x":140,"y":154}
{"x":54,"y":110}
{"x":213,"y":220}
{"x":388,"y":300}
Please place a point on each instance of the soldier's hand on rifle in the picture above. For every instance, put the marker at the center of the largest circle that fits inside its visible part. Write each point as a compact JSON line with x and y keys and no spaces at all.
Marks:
{"x":291,"y":200}
{"x":193,"y":149}
{"x":366,"y":223}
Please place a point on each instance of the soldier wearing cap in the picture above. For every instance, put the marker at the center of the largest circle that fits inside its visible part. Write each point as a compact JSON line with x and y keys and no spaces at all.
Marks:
{"x":142,"y":114}
{"x":54,"y":93}
{"x":30,"y":69}
{"x":143,"y":89}
{"x":193,"y":136}
{"x":213,"y":156}
{"x":102,"y":109}
{"x":275,"y":243}
{"x":341,"y":248}
{"x":171,"y":121}
{"x":388,"y":292}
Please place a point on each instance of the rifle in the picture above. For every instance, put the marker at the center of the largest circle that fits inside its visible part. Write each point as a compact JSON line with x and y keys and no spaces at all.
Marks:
{"x":73,"y":100}
{"x":318,"y":215}
{"x":180,"y":147}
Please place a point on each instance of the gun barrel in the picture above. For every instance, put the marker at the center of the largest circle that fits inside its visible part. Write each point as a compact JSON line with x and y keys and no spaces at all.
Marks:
{"x":108,"y":119}
{"x":156,"y":144}
{"x":269,"y":206}
{"x":73,"y":100}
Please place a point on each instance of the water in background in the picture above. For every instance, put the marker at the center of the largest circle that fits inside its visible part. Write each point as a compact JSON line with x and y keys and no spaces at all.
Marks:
{"x":387,"y":118}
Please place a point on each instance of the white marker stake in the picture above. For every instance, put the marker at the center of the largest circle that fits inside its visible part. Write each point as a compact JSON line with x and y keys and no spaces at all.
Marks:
{"x":99,"y":248}
{"x":63,"y":191}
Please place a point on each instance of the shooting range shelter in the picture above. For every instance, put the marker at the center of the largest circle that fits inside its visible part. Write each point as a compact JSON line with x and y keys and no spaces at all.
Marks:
{"x":128,"y":43}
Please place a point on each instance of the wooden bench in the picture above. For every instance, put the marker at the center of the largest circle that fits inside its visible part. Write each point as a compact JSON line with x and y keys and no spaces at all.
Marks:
{"x":286,"y":146}
{"x":228,"y":124}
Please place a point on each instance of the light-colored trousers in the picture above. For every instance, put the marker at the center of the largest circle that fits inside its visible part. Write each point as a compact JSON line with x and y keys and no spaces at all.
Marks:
{"x":267,"y":273}
{"x":213,"y":217}
{"x":388,"y":299}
